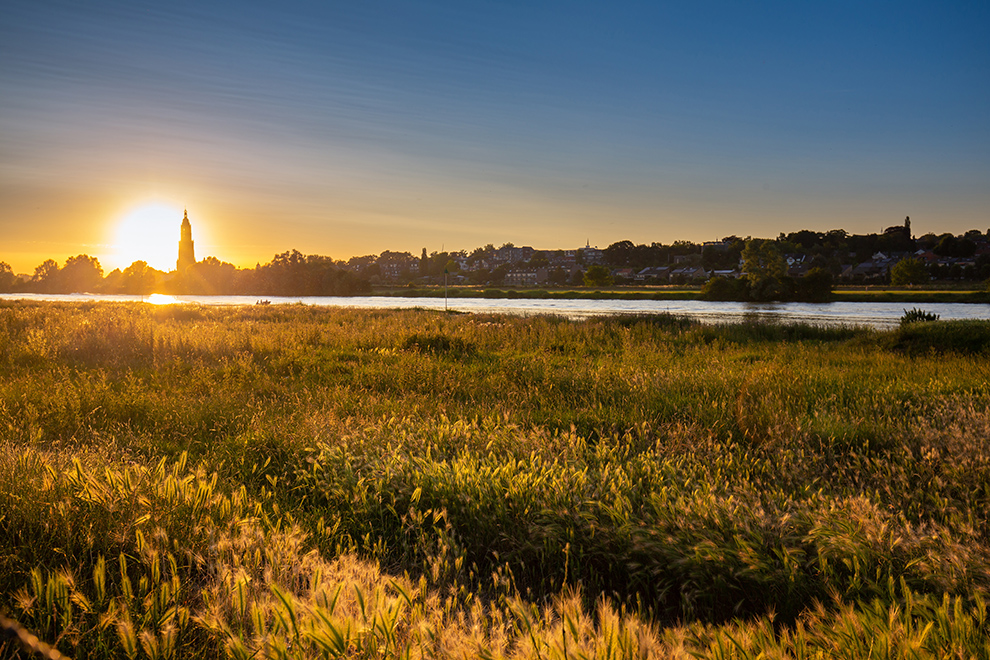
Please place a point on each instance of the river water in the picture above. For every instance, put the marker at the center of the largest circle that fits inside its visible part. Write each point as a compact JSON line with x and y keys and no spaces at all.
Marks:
{"x":874,"y":314}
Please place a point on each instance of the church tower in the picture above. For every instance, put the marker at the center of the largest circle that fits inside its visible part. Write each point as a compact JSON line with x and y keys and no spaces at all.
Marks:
{"x":186,"y":256}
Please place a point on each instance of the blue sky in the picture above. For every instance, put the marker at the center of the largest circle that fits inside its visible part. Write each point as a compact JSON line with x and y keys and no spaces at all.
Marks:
{"x":352,"y":128}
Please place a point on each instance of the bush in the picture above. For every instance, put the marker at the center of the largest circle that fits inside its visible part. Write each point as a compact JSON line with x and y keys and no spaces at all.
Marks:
{"x":965,"y":337}
{"x":815,"y":286}
{"x":597,"y":276}
{"x":909,"y":271}
{"x":917,"y":315}
{"x":722,"y":288}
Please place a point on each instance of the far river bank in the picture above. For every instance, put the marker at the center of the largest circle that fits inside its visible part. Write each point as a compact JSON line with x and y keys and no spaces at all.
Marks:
{"x":873,"y":313}
{"x":867,"y":294}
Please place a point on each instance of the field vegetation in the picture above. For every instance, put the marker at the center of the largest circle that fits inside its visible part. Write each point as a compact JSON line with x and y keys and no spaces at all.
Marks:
{"x":293,"y":482}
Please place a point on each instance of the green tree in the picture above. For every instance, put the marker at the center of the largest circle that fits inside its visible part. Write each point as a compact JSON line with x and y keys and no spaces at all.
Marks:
{"x":909,"y":271}
{"x":539,"y":260}
{"x":619,"y":254}
{"x":597,"y":275}
{"x":557,"y":276}
{"x":764,"y":269}
{"x":723,"y":288}
{"x":815,"y":286}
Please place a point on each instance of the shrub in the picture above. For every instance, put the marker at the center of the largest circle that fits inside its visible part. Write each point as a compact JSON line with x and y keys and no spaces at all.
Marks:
{"x":722,"y":288}
{"x":909,"y":271}
{"x":965,"y":337}
{"x":917,"y":315}
{"x":815,"y":286}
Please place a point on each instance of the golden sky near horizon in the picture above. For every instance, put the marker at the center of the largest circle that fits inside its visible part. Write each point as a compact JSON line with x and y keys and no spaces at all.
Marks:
{"x":346,"y":130}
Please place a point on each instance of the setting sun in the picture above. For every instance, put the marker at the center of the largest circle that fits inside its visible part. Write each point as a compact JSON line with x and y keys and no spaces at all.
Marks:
{"x":147,"y":233}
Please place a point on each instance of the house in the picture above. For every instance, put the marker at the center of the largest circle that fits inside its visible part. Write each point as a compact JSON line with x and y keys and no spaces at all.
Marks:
{"x":688,"y":274}
{"x":510,"y":254}
{"x":661,"y":273}
{"x":867,"y":270}
{"x":592,"y":255}
{"x":624,"y":273}
{"x":532,"y":277}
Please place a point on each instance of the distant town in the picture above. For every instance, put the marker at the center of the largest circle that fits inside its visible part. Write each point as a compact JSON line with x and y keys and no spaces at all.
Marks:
{"x":894,"y":256}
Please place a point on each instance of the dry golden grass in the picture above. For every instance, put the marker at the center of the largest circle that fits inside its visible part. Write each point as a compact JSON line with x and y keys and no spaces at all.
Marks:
{"x":291,"y":482}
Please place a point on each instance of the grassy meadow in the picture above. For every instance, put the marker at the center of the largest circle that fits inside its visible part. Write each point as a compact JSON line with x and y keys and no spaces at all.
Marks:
{"x":294,"y":482}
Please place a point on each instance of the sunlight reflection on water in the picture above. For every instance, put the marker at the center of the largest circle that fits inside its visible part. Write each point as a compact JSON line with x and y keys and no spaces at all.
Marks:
{"x":162,"y":299}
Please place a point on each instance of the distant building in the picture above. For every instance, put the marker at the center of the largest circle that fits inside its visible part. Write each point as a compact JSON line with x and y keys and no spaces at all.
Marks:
{"x":592,"y":255}
{"x":186,"y":255}
{"x":624,"y":273}
{"x":688,"y":274}
{"x":510,"y":254}
{"x":659,"y":273}
{"x":532,"y":277}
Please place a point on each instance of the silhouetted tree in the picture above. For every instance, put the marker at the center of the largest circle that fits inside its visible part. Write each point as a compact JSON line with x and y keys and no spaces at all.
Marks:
{"x":138,"y":279}
{"x":6,"y":277}
{"x":557,"y":276}
{"x":210,"y":276}
{"x":723,"y":288}
{"x":80,"y":273}
{"x":814,"y":286}
{"x":764,"y":269}
{"x":482,"y":254}
{"x":724,"y":257}
{"x":538,"y":260}
{"x":806,"y":239}
{"x":45,"y":276}
{"x":620,"y":254}
{"x":295,"y":274}
{"x":683,"y":248}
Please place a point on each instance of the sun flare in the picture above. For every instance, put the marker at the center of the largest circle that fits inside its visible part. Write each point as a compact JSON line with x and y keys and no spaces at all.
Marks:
{"x":148,"y":233}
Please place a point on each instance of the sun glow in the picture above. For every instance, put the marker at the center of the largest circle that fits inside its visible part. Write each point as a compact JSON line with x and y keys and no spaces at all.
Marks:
{"x":147,"y":233}
{"x":162,"y":299}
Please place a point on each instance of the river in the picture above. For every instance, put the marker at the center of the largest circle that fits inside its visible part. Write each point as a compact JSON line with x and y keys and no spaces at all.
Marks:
{"x":874,"y":314}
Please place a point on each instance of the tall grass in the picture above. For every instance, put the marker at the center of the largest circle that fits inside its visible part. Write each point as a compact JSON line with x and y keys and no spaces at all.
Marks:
{"x":296,"y":482}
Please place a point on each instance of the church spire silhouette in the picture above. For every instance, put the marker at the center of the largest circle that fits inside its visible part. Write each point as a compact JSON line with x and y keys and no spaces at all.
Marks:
{"x":186,"y":255}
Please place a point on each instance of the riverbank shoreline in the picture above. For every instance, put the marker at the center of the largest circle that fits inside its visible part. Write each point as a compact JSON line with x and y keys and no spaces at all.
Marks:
{"x":845,"y":294}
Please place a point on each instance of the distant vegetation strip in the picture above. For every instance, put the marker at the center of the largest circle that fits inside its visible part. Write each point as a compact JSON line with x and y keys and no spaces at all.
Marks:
{"x":877,"y":294}
{"x":800,"y":266}
{"x":300,"y":482}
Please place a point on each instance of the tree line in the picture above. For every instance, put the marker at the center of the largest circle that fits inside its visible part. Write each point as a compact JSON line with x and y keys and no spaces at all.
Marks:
{"x":957,"y":258}
{"x":824,"y":257}
{"x":288,"y":274}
